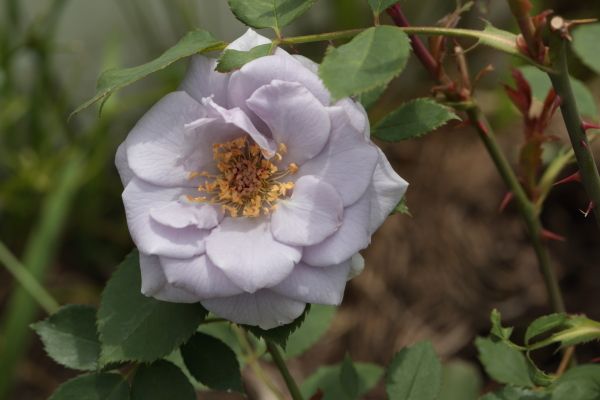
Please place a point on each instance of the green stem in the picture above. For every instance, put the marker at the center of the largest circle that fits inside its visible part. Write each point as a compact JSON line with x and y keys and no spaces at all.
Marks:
{"x":38,"y":255}
{"x":283,"y":369}
{"x":581,"y":146}
{"x":27,"y":280}
{"x":526,"y":208}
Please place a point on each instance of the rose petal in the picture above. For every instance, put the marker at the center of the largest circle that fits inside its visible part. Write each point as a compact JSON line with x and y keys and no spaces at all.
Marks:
{"x":263,"y":308}
{"x":295,"y":117}
{"x":237,"y":117}
{"x":347,"y":162}
{"x":315,"y":285}
{"x":357,"y":265}
{"x":148,"y":235}
{"x":201,"y":80}
{"x":246,"y":251}
{"x":313,"y":213}
{"x":199,"y":276}
{"x":264,"y":70}
{"x":154,"y":283}
{"x":352,"y":236}
{"x":247,"y":41}
{"x":387,"y":189}
{"x":182,"y":213}
{"x":125,"y":173}
{"x":357,"y":114}
{"x":156,"y":146}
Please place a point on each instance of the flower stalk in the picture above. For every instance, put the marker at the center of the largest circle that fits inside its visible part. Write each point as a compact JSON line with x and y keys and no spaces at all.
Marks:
{"x":283,"y":369}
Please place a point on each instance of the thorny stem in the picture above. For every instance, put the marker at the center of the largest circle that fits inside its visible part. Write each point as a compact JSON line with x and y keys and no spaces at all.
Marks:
{"x":520,"y":10}
{"x":283,"y":369}
{"x":526,"y":208}
{"x":581,"y":146}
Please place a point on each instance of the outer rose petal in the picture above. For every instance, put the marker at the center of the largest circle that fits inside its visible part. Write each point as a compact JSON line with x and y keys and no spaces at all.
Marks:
{"x":199,"y":276}
{"x":154,"y":282}
{"x":125,"y":173}
{"x":265,"y":70}
{"x":313,"y":213}
{"x":263,"y":308}
{"x":315,"y":285}
{"x":357,"y":114}
{"x":148,"y":235}
{"x":386,"y":190}
{"x":201,"y":80}
{"x":352,"y":236}
{"x":157,"y":147}
{"x":295,"y":118}
{"x":246,"y":251}
{"x":347,"y":162}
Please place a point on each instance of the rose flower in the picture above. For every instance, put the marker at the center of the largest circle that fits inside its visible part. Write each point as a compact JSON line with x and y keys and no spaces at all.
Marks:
{"x":252,"y":192}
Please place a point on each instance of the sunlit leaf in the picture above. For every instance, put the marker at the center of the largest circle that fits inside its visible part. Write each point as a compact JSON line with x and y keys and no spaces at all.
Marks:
{"x":412,"y":120}
{"x":370,"y":60}
{"x":112,"y":80}
{"x":269,"y":13}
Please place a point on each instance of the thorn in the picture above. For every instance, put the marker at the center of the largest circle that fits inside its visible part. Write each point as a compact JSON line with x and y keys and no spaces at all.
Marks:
{"x":588,"y":210}
{"x":508,"y":197}
{"x":482,"y":127}
{"x":318,"y":396}
{"x":589,"y":125}
{"x":549,"y":235}
{"x":583,"y":143}
{"x":576,"y":177}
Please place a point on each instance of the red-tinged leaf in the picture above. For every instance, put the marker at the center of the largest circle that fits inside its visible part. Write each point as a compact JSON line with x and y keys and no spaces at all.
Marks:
{"x":520,"y":95}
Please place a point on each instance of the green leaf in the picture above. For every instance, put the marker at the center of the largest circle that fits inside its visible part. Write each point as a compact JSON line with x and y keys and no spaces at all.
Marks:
{"x":161,"y":380}
{"x":460,"y":381}
{"x":70,"y":337}
{"x":401,"y":208}
{"x":269,"y":13}
{"x":544,"y":324}
{"x":578,"y":383}
{"x":212,"y":363}
{"x":102,"y":386}
{"x":415,"y":373}
{"x":580,"y":329}
{"x":369,"y":98}
{"x":540,"y":85}
{"x":235,"y":59}
{"x":412,"y":120}
{"x":585,"y":44}
{"x":349,"y":378}
{"x":315,"y":325}
{"x":497,"y":329}
{"x":135,"y":327}
{"x":503,"y":362}
{"x":379,"y":6}
{"x":370,"y":60}
{"x":497,"y":38}
{"x":327,"y":379}
{"x":281,"y":334}
{"x":114,"y":79}
{"x":512,"y":393}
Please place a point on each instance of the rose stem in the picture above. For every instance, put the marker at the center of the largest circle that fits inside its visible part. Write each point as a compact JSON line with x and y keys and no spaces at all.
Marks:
{"x":283,"y":369}
{"x":525,"y":206}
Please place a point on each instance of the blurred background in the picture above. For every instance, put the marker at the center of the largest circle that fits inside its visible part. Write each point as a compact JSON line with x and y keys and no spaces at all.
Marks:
{"x":434,"y":275}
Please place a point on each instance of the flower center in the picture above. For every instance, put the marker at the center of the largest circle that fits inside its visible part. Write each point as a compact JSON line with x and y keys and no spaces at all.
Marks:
{"x":247,"y":184}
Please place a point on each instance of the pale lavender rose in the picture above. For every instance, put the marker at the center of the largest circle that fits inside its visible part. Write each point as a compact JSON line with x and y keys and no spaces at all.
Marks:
{"x":251,"y":192}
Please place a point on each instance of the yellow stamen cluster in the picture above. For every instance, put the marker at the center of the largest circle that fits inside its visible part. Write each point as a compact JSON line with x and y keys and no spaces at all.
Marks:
{"x":247,"y":184}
